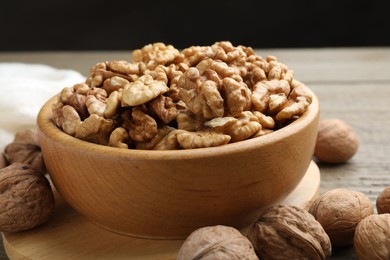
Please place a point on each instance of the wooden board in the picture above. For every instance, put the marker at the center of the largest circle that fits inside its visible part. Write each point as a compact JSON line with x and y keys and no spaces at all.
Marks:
{"x":68,"y":235}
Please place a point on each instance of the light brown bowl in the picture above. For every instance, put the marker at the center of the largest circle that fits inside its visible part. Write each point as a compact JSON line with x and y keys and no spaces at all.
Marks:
{"x":168,"y":194}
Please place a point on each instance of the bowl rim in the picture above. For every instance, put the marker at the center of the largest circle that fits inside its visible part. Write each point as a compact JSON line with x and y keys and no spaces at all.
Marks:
{"x":47,"y":127}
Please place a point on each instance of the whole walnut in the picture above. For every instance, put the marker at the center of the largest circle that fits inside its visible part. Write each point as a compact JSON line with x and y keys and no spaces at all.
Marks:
{"x":216,"y":242}
{"x":26,"y":149}
{"x":289,"y":232}
{"x":26,"y":198}
{"x":339,"y":211}
{"x":383,"y":201}
{"x":336,"y":141}
{"x":372,"y":238}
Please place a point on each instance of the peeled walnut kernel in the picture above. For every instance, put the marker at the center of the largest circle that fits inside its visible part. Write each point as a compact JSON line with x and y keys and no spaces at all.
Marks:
{"x":95,"y":129}
{"x":216,"y":242}
{"x":123,"y":67}
{"x":94,"y":105}
{"x":143,"y":127}
{"x":113,"y":104}
{"x":222,"y":124}
{"x":237,"y":96}
{"x":246,"y":126}
{"x":267,"y":122}
{"x":289,"y":232}
{"x":336,"y":141}
{"x":191,"y":140}
{"x":165,"y":139}
{"x":339,"y":211}
{"x":202,"y":98}
{"x":169,"y":141}
{"x":70,"y":120}
{"x":26,"y":198}
{"x":156,"y":53}
{"x":189,"y":122}
{"x":139,"y":92}
{"x":260,"y":97}
{"x":164,"y":108}
{"x":372,"y":238}
{"x":119,"y":138}
{"x":383,"y":201}
{"x":114,"y":84}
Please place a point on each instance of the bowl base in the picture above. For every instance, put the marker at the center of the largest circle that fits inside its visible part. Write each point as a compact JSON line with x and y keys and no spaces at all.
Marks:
{"x":68,"y":235}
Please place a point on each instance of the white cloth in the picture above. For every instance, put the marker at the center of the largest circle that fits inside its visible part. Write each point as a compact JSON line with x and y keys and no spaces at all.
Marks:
{"x":24,"y":88}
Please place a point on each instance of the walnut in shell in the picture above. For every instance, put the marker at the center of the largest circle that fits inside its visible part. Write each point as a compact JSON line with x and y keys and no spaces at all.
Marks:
{"x":339,"y":211}
{"x":216,"y":242}
{"x":26,"y":198}
{"x":336,"y":141}
{"x":289,"y":232}
{"x":26,"y":149}
{"x":383,"y":201}
{"x":372,"y":238}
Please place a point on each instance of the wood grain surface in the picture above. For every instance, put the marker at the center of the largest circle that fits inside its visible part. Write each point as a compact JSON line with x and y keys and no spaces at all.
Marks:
{"x":352,"y":84}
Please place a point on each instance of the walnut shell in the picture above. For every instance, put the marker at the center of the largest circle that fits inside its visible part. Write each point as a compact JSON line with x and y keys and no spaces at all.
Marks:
{"x":383,"y":201}
{"x":3,"y":161}
{"x":289,"y":232}
{"x":339,"y":211}
{"x":216,"y":242}
{"x":372,"y":238}
{"x":336,"y":141}
{"x":26,"y":149}
{"x":26,"y":198}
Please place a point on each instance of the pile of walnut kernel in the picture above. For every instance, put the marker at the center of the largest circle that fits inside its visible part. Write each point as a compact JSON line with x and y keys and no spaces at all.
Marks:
{"x":167,"y":99}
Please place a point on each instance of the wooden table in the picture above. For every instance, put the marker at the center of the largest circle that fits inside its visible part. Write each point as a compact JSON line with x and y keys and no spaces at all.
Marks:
{"x":352,"y":84}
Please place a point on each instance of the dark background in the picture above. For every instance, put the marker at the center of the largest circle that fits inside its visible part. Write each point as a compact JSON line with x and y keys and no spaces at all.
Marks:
{"x":122,"y":25}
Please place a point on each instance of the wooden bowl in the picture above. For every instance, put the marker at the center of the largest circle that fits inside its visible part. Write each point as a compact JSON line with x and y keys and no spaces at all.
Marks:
{"x":168,"y":194}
